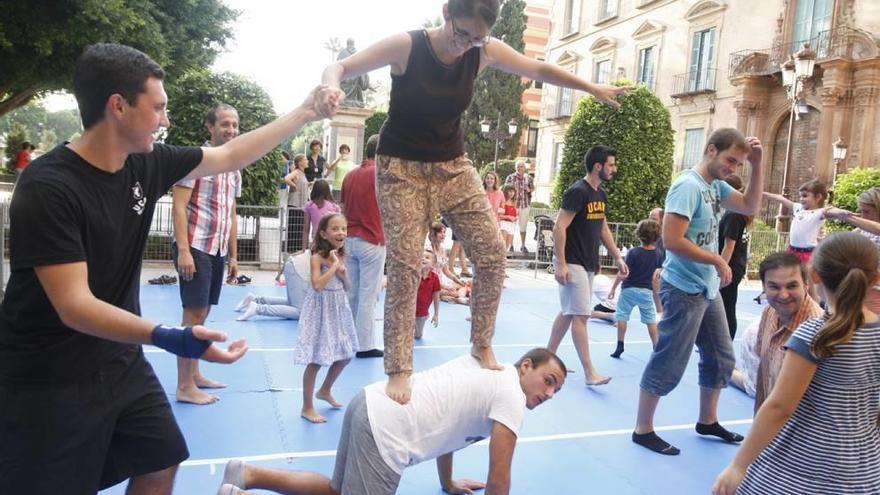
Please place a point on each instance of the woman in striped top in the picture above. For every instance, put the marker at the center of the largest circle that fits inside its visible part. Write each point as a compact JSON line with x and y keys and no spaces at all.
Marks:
{"x":818,"y":431}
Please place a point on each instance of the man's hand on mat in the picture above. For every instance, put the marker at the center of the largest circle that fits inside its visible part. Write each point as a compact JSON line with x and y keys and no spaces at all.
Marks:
{"x":464,"y":486}
{"x":216,"y":354}
{"x":728,"y":481}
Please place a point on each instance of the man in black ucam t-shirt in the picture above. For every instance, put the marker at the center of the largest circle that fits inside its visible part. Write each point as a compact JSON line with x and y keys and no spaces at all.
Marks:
{"x":81,"y":408}
{"x":580,"y":228}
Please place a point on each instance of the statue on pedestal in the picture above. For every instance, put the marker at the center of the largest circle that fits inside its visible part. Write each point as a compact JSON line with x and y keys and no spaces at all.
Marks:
{"x":355,"y":88}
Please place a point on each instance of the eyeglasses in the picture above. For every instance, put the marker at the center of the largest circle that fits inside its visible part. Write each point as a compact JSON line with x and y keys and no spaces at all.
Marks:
{"x":466,"y":37}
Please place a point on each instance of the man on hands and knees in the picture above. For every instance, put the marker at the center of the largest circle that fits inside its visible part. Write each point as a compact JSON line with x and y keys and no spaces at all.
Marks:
{"x":82,"y":409}
{"x":381,"y":437}
{"x":692,"y":274}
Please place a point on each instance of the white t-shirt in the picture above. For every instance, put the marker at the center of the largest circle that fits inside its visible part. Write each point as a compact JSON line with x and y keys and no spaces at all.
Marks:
{"x":805,"y":225}
{"x":452,"y":406}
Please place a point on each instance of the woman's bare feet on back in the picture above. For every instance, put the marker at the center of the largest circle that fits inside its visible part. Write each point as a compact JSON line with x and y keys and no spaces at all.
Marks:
{"x":399,"y":389}
{"x":486,"y":357}
{"x":313,"y":416}
{"x":328,"y":398}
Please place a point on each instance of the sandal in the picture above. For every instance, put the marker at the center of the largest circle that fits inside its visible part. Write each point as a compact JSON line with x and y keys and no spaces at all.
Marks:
{"x":163,"y":280}
{"x":243,"y":280}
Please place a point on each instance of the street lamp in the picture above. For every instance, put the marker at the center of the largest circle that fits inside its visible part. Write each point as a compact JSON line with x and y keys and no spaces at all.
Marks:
{"x":498,"y":134}
{"x":795,"y":72}
{"x":838,"y":153}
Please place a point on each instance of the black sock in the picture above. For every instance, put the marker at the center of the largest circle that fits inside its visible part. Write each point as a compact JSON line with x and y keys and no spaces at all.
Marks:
{"x":717,"y":430}
{"x":617,"y":352}
{"x":655,"y":443}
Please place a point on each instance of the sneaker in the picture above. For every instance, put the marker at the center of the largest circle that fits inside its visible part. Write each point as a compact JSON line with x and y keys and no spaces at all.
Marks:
{"x":523,"y":250}
{"x":243,"y":280}
{"x":466,"y":274}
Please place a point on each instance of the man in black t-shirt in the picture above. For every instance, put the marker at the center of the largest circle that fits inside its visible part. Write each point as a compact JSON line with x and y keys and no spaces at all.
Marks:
{"x":81,"y":409}
{"x":579,"y":229}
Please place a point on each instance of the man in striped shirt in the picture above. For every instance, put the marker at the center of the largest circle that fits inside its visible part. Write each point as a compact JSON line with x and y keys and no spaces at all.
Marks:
{"x":205,"y":228}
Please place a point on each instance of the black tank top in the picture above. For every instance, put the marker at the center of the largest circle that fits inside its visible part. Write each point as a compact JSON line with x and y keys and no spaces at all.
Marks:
{"x":427,"y":101}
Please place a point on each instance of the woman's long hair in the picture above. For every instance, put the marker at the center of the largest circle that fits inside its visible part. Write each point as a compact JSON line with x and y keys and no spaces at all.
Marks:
{"x":846,"y":263}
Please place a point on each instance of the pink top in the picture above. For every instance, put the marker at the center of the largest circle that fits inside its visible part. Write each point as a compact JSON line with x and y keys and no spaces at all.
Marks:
{"x":316,"y":214}
{"x":496,"y":198}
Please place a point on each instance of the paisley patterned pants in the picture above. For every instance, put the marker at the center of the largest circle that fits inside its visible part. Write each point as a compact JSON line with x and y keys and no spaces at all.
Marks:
{"x":410,"y":194}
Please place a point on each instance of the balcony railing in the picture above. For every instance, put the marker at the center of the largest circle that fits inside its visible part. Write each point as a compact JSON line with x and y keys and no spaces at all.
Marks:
{"x":827,"y":44}
{"x":695,"y":82}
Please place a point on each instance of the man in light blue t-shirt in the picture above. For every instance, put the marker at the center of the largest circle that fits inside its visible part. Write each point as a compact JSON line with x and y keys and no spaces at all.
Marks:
{"x":692,"y":274}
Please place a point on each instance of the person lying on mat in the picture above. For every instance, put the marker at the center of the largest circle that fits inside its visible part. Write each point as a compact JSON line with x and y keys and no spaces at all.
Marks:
{"x":453,"y":405}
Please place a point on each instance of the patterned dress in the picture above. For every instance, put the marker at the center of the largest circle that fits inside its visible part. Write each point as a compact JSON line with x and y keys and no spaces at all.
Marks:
{"x":326,"y":328}
{"x":831,"y":444}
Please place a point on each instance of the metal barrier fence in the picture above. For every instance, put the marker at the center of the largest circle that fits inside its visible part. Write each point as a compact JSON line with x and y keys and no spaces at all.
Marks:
{"x":266,"y":234}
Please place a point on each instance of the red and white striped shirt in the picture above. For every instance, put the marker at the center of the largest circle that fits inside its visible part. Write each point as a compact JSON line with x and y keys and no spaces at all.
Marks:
{"x":210,"y":211}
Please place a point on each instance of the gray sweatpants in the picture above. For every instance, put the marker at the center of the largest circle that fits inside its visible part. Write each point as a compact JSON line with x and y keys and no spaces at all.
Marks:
{"x":360,"y":469}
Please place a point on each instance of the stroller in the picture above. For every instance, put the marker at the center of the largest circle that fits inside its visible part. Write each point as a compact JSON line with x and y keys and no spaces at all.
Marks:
{"x":544,"y":235}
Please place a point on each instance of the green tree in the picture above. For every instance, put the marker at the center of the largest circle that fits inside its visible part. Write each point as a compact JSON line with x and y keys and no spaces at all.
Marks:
{"x":48,"y":140}
{"x":848,"y":186}
{"x":372,"y":126}
{"x":17,"y":134}
{"x":40,"y":42}
{"x":641,"y":132}
{"x":300,"y":142}
{"x":65,"y":123}
{"x":192,"y":96}
{"x":498,"y":92}
{"x":32,"y":116}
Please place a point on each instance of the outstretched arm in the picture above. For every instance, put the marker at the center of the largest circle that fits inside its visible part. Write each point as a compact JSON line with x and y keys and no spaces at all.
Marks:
{"x":779,"y":199}
{"x":501,"y":56}
{"x":67,"y":288}
{"x":796,"y":375}
{"x":853,"y":219}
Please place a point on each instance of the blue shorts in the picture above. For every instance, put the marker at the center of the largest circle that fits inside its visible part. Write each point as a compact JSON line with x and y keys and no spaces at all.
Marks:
{"x":632,"y":297}
{"x":689,"y":319}
{"x":204,"y":288}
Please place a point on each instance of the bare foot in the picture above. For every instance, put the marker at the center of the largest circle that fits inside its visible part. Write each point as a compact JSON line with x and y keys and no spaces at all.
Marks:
{"x":195,"y":396}
{"x":399,"y":389}
{"x":249,"y":312}
{"x":203,"y":382}
{"x":486,"y":357}
{"x":595,"y":379}
{"x":313,"y":416}
{"x":328,"y":398}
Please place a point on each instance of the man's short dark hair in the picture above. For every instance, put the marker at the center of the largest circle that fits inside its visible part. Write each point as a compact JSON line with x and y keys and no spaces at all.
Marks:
{"x":372,"y":144}
{"x":539,"y":356}
{"x":725,"y":138}
{"x":781,"y":259}
{"x":26,"y":145}
{"x":105,"y":69}
{"x":598,"y":154}
{"x":211,"y":116}
{"x":314,"y":142}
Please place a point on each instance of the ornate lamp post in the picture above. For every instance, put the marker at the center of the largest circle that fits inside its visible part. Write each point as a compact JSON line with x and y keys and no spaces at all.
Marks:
{"x":795,"y":72}
{"x":498,"y":134}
